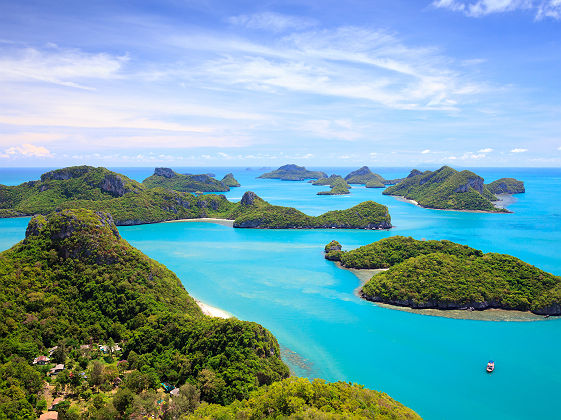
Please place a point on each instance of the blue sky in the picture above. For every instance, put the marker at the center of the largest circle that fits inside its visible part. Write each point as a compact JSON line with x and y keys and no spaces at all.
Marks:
{"x":243,"y":83}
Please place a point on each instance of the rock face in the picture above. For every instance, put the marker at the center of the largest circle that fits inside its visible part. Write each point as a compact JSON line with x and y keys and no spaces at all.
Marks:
{"x":165,"y":172}
{"x":114,"y":185}
{"x":248,"y":198}
{"x":475,"y":182}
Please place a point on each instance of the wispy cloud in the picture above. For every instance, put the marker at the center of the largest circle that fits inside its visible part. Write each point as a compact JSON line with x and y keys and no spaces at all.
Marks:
{"x":486,"y":150}
{"x":478,"y":8}
{"x":271,"y":21}
{"x":518,"y":150}
{"x":27,"y":150}
{"x":425,"y":152}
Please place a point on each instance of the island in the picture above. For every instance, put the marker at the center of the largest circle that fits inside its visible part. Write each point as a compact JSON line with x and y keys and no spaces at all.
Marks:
{"x":506,"y":186}
{"x":338,"y":185}
{"x":447,"y":189}
{"x":366,"y":177}
{"x":230,"y":181}
{"x":132,"y":203}
{"x":447,"y":275}
{"x":92,"y":327}
{"x":171,"y":180}
{"x":293,"y":173}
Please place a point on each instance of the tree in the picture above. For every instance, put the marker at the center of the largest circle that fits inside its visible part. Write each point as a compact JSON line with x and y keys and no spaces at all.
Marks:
{"x":96,"y":375}
{"x":123,"y":399}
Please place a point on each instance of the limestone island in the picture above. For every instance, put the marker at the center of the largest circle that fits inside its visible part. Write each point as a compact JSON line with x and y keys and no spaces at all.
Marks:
{"x":230,"y":181}
{"x":293,"y":173}
{"x":448,"y":189}
{"x":338,"y":185}
{"x":132,"y":203}
{"x":86,"y":314}
{"x":365,"y":176}
{"x":446,"y":275}
{"x":171,"y":180}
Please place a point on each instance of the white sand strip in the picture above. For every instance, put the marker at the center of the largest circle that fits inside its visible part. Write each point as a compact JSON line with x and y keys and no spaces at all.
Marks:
{"x":212,"y":311}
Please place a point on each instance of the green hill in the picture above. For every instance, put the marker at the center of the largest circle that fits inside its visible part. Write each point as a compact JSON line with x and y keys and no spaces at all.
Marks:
{"x":365,"y":176}
{"x":73,"y":283}
{"x":338,"y":185}
{"x":446,"y":188}
{"x":166,"y":178}
{"x":446,"y":275}
{"x":293,"y":173}
{"x":506,"y":186}
{"x":73,"y":280}
{"x":230,"y":181}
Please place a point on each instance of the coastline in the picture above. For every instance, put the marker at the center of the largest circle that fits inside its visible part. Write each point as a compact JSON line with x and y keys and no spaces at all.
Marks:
{"x":492,"y":314}
{"x":504,"y":200}
{"x":213,"y":311}
{"x":224,"y":222}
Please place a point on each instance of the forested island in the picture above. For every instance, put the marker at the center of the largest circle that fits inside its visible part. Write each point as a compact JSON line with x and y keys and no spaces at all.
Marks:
{"x":131,"y":203}
{"x":293,"y":173}
{"x":93,"y":328}
{"x":447,"y":188}
{"x":338,"y":185}
{"x":366,"y":177}
{"x":171,"y":180}
{"x":447,"y":275}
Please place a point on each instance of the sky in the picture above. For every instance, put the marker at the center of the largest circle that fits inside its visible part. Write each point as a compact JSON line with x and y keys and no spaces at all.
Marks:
{"x":314,"y":82}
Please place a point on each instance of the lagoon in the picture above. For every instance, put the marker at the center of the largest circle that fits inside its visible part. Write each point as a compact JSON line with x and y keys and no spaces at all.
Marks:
{"x":280,"y":279}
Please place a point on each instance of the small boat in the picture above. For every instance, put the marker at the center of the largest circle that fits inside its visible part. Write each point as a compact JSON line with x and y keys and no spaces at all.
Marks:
{"x":490,"y":366}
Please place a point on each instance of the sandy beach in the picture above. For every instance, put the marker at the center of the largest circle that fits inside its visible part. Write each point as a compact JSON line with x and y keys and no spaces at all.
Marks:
{"x":504,"y":200}
{"x":224,"y":222}
{"x":212,"y":311}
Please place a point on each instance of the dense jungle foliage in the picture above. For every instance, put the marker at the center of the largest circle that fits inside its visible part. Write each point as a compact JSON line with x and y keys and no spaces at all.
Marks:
{"x":446,"y":188}
{"x":293,"y":173}
{"x":74,"y":281}
{"x":168,"y":179}
{"x":299,"y":398}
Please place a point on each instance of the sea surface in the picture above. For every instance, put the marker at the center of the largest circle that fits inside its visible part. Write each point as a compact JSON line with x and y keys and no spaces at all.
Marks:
{"x":280,"y":279}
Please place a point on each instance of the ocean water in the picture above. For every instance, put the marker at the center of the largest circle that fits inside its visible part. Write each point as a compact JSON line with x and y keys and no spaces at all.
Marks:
{"x":280,"y":279}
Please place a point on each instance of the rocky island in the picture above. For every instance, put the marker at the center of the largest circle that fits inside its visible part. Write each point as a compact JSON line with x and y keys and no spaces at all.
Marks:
{"x":447,"y":275}
{"x":448,"y":189}
{"x":366,"y":177}
{"x":230,"y":181}
{"x":171,"y":180}
{"x":132,"y":203}
{"x":506,"y":186}
{"x":338,"y":185}
{"x":293,"y":173}
{"x":109,"y":332}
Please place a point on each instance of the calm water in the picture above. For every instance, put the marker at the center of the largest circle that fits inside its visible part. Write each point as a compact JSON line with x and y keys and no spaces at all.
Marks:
{"x":280,"y":279}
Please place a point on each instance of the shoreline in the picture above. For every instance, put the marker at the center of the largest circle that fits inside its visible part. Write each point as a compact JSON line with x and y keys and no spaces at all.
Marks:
{"x":224,"y":222}
{"x":491,"y":314}
{"x":503,"y":199}
{"x":213,"y":311}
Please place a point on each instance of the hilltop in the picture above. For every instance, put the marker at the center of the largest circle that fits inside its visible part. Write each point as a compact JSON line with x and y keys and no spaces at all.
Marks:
{"x":338,"y":185}
{"x":293,"y":173}
{"x":446,"y":188}
{"x":171,"y":180}
{"x":447,"y":275}
{"x":365,"y":176}
{"x":74,"y":283}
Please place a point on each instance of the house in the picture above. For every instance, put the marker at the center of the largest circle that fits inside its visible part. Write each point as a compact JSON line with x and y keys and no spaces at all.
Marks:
{"x":105,"y":349}
{"x":174,"y":392}
{"x":41,"y":360}
{"x":52,"y":350}
{"x":58,"y":368}
{"x":167,"y":387}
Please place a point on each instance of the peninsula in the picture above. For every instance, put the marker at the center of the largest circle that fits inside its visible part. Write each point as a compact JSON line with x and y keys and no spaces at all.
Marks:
{"x":171,"y":180}
{"x":293,"y":173}
{"x":111,"y":333}
{"x":447,"y":275}
{"x":448,"y":189}
{"x":132,"y":203}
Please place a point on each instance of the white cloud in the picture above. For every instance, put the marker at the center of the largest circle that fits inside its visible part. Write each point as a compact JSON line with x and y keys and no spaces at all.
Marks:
{"x":478,"y":8}
{"x":487,"y":150}
{"x":27,"y":150}
{"x":66,"y":67}
{"x":519,"y":150}
{"x":270,"y":21}
{"x":559,"y":148}
{"x":424,"y":152}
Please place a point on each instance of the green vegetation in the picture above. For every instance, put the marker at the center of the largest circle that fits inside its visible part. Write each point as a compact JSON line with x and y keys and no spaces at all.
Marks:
{"x":73,"y":280}
{"x":230,"y":181}
{"x":338,"y":185}
{"x":298,"y":398}
{"x":73,"y":284}
{"x":446,"y":275}
{"x":446,"y":188}
{"x":506,"y":186}
{"x":366,"y":215}
{"x":364,"y":176}
{"x":293,"y":173}
{"x":166,"y":178}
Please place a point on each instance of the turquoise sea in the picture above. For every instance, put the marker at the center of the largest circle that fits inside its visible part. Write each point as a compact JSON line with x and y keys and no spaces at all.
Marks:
{"x":280,"y":279}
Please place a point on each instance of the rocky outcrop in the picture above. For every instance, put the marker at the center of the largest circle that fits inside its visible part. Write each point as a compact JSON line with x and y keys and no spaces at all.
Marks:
{"x":165,"y":172}
{"x":66,"y":173}
{"x":475,"y":182}
{"x":114,"y":185}
{"x":248,"y":198}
